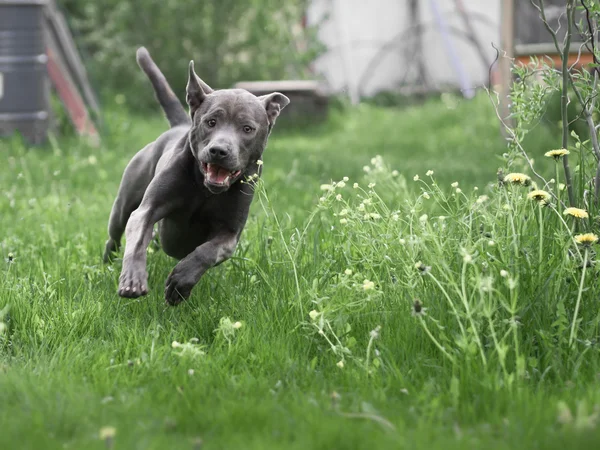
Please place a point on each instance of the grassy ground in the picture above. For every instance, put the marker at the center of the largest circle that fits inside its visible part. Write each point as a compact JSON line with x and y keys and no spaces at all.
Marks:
{"x":76,"y":359}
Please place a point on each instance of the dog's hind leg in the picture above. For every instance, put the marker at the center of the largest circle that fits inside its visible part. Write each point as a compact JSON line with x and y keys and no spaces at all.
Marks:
{"x":136,"y":178}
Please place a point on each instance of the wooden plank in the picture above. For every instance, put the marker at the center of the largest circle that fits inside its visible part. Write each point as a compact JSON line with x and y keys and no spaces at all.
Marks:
{"x":68,"y":93}
{"x":65,"y":42}
{"x":579,"y":61}
{"x":546,"y":49}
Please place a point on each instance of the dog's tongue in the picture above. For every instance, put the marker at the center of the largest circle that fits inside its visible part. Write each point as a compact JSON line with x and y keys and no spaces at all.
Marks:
{"x":216,"y":174}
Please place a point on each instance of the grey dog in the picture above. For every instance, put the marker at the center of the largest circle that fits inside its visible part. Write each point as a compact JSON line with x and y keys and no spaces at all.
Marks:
{"x":189,"y":181}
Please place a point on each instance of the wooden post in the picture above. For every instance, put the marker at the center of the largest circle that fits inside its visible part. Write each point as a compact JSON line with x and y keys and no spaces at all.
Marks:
{"x":507,"y":53}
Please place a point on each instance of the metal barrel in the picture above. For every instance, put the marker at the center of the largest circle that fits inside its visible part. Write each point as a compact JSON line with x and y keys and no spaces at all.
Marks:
{"x":24,"y":84}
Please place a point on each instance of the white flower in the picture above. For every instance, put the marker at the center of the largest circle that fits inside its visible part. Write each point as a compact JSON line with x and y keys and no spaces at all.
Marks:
{"x":259,"y":162}
{"x":374,"y":334}
{"x":423,"y":218}
{"x":343,"y":212}
{"x":491,"y":243}
{"x":355,"y":185}
{"x":467,"y":258}
{"x":338,"y":197}
{"x":190,"y":372}
{"x":429,"y":173}
{"x":368,"y":285}
{"x":348,"y":272}
{"x":345,"y":179}
{"x":107,"y":433}
{"x":340,"y":364}
{"x":367,"y":169}
{"x":503,"y":273}
{"x":323,"y":199}
{"x":237,"y":325}
{"x":402,"y":241}
{"x":371,"y":185}
{"x":327,"y":187}
{"x":341,"y":184}
{"x":458,"y":190}
{"x":395,"y":173}
{"x":313,"y":314}
{"x":395,"y":217}
{"x":426,"y":196}
{"x":455,"y":184}
{"x":416,"y":178}
{"x":343,"y":221}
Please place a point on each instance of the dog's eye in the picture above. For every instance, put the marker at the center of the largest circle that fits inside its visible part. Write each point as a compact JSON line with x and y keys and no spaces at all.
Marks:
{"x":248,"y":129}
{"x":211,"y":123}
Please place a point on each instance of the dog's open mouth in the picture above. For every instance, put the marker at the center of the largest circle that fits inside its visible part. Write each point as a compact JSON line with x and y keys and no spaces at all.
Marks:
{"x":219,"y":176}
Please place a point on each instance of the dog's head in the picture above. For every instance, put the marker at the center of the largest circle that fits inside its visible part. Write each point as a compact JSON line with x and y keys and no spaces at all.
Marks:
{"x":229,"y":130}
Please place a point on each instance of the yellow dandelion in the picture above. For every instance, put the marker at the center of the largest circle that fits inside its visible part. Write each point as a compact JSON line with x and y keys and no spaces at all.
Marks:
{"x":586,"y":239}
{"x":517,"y":178}
{"x":576,"y":212}
{"x":557,"y":154}
{"x":539,"y":196}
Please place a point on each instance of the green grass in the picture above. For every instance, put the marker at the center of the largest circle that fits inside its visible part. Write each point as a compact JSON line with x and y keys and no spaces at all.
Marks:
{"x":75,"y":358}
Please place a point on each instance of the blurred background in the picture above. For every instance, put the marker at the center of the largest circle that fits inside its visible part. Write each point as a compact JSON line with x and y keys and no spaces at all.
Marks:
{"x":63,"y":62}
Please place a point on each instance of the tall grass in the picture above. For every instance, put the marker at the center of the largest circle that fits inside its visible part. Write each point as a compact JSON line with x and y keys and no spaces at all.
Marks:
{"x":408,"y":300}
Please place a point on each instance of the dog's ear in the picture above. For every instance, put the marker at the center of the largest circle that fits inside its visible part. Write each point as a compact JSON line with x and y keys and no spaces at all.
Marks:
{"x":196,"y":90}
{"x":274,"y":104}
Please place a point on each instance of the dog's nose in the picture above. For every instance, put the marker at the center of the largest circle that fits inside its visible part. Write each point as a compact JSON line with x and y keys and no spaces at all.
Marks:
{"x":218,"y":152}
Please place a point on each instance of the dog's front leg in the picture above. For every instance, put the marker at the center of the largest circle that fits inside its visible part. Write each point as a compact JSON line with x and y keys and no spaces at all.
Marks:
{"x":190,"y":269}
{"x":133,"y":281}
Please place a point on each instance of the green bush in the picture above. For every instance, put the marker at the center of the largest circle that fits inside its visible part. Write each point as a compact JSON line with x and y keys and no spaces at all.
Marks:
{"x":229,"y":40}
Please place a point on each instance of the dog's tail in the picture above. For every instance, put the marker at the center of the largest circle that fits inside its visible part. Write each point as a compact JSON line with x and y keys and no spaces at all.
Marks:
{"x":169,"y":102}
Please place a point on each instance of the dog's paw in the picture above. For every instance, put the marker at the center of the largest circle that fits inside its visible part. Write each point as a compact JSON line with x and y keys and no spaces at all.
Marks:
{"x":110,"y":249}
{"x":177,"y":288}
{"x":133,"y":282}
